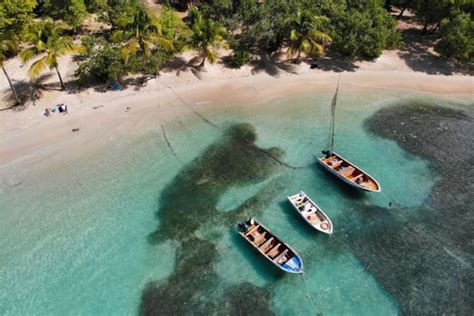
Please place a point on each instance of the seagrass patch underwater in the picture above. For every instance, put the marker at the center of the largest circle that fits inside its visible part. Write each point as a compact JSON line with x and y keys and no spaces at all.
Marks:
{"x":426,"y":259}
{"x":189,"y":202}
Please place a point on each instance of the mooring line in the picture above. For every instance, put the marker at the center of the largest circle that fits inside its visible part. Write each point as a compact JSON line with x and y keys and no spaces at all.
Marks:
{"x":167,"y":141}
{"x":187,"y":105}
{"x":209,"y":122}
{"x":310,"y":299}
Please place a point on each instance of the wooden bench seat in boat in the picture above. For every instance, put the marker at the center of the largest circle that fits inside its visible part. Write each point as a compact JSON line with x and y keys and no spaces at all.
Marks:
{"x":357,"y":177}
{"x":328,"y":159}
{"x":280,"y":258}
{"x":250,"y":230}
{"x":347,"y":171}
{"x":260,"y":238}
{"x":266,"y":245}
{"x":334,"y":163}
{"x":274,"y":251}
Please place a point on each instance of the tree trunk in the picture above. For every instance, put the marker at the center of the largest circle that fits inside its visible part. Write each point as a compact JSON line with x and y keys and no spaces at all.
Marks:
{"x":388,"y":5}
{"x":60,"y":79}
{"x":435,"y":28}
{"x":401,"y":12}
{"x":297,"y":60}
{"x":202,"y":62}
{"x":424,"y":29}
{"x":11,"y":86}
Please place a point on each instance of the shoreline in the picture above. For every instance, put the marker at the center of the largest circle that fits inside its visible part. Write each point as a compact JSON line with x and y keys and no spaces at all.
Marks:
{"x":22,"y":133}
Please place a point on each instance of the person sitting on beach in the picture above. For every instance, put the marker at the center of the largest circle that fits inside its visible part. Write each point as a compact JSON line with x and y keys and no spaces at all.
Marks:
{"x":37,"y":94}
{"x":62,"y":108}
{"x":46,"y":112}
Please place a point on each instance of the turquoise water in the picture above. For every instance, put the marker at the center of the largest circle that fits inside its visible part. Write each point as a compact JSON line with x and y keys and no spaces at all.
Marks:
{"x":80,"y":235}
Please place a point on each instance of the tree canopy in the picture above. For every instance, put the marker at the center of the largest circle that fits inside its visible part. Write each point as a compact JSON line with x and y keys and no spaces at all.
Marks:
{"x":14,"y":14}
{"x":135,"y":40}
{"x":457,"y":37}
{"x":46,"y":40}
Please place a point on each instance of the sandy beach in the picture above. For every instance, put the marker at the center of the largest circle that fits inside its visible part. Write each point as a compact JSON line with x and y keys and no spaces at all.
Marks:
{"x":97,"y":113}
{"x":84,"y":192}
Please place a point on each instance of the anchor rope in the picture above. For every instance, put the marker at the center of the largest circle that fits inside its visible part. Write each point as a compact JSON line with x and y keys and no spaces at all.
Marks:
{"x":214,"y":125}
{"x":310,"y":299}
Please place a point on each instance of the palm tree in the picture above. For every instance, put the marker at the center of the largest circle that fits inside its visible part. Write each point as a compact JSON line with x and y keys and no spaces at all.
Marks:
{"x":207,"y":37}
{"x":47,"y":40}
{"x":8,"y":47}
{"x":138,"y":31}
{"x":306,"y":35}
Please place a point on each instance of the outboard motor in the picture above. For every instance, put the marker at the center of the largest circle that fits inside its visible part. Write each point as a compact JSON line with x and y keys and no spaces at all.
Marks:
{"x":326,"y":152}
{"x":243,"y":226}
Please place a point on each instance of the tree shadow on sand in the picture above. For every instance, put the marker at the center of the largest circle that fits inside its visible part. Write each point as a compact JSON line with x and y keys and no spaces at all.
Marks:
{"x":180,"y":65}
{"x":273,"y":64}
{"x":417,"y":52}
{"x":335,"y":62}
{"x":25,"y":90}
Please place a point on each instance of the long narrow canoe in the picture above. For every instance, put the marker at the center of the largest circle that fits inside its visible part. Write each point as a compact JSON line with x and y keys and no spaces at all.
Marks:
{"x":271,"y":247}
{"x":348,"y":172}
{"x":311,"y":212}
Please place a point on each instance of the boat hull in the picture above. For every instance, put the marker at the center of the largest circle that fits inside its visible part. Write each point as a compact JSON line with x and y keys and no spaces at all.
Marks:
{"x":377,"y":188}
{"x":292,"y":265}
{"x":319,"y":210}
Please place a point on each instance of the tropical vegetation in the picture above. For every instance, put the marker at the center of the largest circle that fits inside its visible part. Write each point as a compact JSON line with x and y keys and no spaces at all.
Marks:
{"x":132,"y":39}
{"x":306,"y":35}
{"x":207,"y":37}
{"x":8,"y":47}
{"x":48,"y":41}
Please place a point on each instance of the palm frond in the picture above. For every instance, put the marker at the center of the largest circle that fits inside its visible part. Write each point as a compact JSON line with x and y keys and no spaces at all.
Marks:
{"x":294,"y":34}
{"x":37,"y":67}
{"x":212,"y":55}
{"x":8,"y":46}
{"x":163,"y":43}
{"x":29,"y":54}
{"x":128,"y":50}
{"x":120,"y":36}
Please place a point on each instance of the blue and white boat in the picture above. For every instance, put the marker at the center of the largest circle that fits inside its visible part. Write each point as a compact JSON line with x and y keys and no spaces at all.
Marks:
{"x":271,"y":247}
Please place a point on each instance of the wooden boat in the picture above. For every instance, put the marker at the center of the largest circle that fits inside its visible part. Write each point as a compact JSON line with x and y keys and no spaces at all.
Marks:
{"x":271,"y":247}
{"x":348,"y":172}
{"x":311,"y":212}
{"x":343,"y":168}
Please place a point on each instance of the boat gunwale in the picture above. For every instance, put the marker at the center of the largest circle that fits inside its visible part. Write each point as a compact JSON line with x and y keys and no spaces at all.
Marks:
{"x":379,"y":188}
{"x":317,"y":207}
{"x":301,"y":270}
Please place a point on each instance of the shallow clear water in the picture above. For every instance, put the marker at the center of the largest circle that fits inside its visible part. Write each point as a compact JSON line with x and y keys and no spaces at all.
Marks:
{"x":77,"y":238}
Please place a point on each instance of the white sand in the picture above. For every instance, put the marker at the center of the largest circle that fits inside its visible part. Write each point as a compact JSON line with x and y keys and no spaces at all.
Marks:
{"x":24,"y":133}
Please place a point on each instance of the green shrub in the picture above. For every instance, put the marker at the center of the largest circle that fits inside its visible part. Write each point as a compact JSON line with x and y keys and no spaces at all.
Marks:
{"x":457,"y":37}
{"x":240,"y":57}
{"x":101,"y":62}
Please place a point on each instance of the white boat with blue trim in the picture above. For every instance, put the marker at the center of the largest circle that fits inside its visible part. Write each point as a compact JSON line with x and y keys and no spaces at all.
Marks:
{"x":271,"y":247}
{"x":311,"y":212}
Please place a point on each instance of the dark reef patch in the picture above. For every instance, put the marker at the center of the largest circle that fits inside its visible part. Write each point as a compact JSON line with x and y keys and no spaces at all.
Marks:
{"x":188,"y":203}
{"x":425,"y":257}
